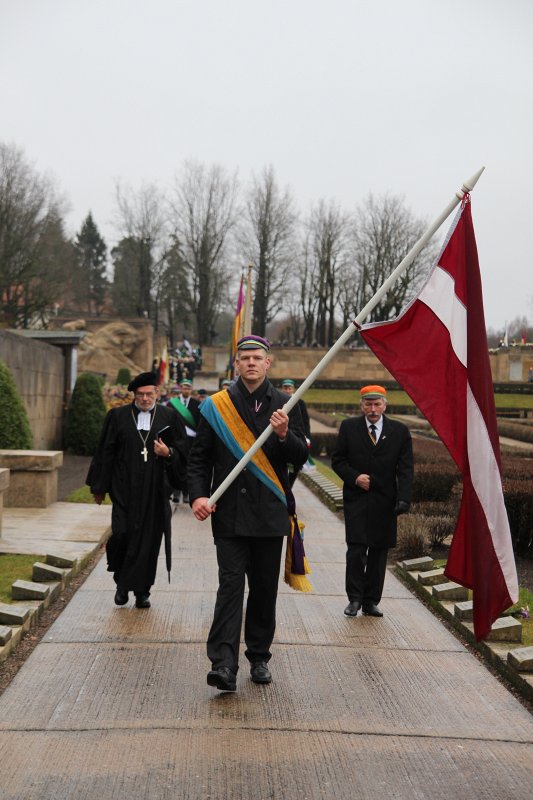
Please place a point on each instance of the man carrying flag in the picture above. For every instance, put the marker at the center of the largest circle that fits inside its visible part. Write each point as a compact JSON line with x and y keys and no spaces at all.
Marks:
{"x":253,"y":516}
{"x":437,"y":350}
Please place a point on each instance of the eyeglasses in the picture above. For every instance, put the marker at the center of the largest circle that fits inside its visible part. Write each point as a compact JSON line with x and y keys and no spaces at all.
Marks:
{"x":143,"y":395}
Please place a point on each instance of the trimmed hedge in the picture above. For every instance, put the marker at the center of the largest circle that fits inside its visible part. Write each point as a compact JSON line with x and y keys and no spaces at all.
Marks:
{"x":434,"y":481}
{"x":518,"y":496}
{"x":86,"y":415}
{"x":15,"y":432}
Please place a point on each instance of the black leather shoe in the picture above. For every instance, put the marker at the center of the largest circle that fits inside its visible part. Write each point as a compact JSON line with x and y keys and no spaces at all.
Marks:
{"x":222,"y":678}
{"x":142,"y":601}
{"x":352,"y":608}
{"x":372,"y":611}
{"x":121,"y":597}
{"x":260,"y":673}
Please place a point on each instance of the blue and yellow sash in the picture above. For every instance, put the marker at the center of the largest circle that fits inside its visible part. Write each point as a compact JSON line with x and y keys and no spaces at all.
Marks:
{"x":229,"y":426}
{"x":222,"y":416}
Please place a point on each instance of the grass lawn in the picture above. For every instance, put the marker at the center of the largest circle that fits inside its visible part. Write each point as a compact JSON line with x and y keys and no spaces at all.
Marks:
{"x":14,"y":567}
{"x":84,"y":495}
{"x":347,"y":396}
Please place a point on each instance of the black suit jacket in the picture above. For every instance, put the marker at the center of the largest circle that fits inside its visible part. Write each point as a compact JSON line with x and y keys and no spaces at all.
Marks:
{"x":370,"y":515}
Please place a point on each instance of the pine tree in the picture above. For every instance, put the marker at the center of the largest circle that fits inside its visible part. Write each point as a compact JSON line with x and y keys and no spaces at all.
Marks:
{"x":15,"y":433}
{"x":91,"y":260}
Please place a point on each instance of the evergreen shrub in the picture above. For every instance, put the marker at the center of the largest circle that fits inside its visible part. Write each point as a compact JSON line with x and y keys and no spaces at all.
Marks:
{"x":123,"y":377}
{"x":86,"y":415}
{"x":15,"y":433}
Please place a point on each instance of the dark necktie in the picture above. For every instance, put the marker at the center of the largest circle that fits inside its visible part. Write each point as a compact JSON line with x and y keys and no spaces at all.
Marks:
{"x":372,"y":431}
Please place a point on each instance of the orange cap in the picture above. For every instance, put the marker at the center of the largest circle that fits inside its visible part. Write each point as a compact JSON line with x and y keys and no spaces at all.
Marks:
{"x":373,"y":392}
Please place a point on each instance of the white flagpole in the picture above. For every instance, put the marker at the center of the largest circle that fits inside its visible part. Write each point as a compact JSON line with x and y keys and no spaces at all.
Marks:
{"x":348,"y":333}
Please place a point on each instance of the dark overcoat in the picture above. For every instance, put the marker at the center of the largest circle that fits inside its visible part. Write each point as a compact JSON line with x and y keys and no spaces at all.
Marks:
{"x":247,"y":507}
{"x":370,"y":516}
{"x":139,"y":489}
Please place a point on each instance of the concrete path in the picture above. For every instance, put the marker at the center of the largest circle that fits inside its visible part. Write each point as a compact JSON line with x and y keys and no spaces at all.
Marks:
{"x":113,"y":703}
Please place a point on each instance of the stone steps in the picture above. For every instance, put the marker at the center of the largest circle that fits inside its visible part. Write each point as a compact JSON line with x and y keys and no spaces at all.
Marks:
{"x":33,"y":597}
{"x":450,"y":601}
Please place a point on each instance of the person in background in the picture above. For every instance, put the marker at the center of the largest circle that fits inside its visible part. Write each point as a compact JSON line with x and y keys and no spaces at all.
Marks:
{"x":189,"y":415}
{"x":288,"y":386}
{"x":374,"y":458}
{"x":140,"y":455}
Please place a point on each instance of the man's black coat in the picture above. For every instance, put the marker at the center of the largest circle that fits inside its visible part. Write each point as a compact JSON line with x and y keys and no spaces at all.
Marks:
{"x":370,"y":515}
{"x":247,"y":507}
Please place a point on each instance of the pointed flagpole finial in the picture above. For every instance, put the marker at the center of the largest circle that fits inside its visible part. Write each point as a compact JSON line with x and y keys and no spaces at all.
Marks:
{"x":469,"y":184}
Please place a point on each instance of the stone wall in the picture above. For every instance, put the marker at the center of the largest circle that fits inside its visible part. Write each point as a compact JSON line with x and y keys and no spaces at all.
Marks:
{"x":509,"y":365}
{"x":38,"y":371}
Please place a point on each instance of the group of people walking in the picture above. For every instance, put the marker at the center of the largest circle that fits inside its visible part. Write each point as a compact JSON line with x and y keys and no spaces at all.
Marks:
{"x":148,"y":451}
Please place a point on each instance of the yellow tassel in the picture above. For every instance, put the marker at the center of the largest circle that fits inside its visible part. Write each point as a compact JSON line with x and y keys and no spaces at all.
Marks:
{"x":297,"y":582}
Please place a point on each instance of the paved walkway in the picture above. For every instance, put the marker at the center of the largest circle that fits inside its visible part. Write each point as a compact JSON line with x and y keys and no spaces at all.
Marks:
{"x":113,"y":703}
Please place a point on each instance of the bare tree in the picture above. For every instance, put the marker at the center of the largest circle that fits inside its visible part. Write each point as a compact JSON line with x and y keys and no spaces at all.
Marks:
{"x":383,"y":233}
{"x":307,"y":280}
{"x":203,"y":217}
{"x":142,"y":220}
{"x":267,"y":236}
{"x":34,"y":251}
{"x":328,"y":228}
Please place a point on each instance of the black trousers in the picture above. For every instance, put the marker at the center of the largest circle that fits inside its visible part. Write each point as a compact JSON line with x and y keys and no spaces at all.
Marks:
{"x":365,"y":573}
{"x":257,"y":558}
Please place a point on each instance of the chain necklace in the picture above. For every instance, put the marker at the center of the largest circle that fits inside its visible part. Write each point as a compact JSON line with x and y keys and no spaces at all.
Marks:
{"x":144,"y":439}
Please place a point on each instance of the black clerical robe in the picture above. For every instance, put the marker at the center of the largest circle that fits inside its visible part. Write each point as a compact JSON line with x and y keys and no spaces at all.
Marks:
{"x":139,"y":484}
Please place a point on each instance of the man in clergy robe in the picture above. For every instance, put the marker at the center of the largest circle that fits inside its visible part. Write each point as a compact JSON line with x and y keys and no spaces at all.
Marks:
{"x":249,"y":521}
{"x":187,"y":408}
{"x":374,"y":457}
{"x":140,"y":456}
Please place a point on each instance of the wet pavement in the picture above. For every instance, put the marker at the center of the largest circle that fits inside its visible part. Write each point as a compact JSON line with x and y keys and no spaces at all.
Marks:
{"x":113,"y":703}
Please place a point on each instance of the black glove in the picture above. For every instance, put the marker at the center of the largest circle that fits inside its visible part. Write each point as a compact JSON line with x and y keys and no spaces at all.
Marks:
{"x":402,"y":507}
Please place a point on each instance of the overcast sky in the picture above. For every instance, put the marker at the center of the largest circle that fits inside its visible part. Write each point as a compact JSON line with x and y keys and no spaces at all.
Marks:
{"x":342,"y":97}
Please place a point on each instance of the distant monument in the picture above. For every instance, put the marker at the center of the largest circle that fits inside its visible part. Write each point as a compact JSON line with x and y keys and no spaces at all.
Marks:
{"x":110,"y":347}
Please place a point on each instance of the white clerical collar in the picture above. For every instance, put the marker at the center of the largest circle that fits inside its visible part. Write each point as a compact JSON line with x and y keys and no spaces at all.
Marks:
{"x":144,"y":419}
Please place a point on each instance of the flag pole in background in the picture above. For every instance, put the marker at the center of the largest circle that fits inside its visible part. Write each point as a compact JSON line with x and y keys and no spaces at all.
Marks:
{"x":246,"y":328}
{"x":350,"y":330}
{"x":237,"y":326}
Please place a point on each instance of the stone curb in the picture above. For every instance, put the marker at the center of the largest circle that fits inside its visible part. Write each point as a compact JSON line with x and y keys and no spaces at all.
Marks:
{"x":512,"y":662}
{"x":68,"y":569}
{"x":323,"y":488}
{"x":501,"y":650}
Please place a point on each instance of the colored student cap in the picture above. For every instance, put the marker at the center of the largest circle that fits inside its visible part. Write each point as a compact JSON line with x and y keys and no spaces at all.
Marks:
{"x":144,"y":379}
{"x":287,"y":382}
{"x":373,"y":392}
{"x":186,"y":382}
{"x":253,"y":343}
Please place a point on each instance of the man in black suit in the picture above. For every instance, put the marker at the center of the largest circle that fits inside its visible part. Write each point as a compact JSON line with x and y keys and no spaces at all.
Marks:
{"x":374,"y":457}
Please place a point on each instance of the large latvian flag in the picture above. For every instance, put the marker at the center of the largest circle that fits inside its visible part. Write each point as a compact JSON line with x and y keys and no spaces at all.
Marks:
{"x":437,"y":350}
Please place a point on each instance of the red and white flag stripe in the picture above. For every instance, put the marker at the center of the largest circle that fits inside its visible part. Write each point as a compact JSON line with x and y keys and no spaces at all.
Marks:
{"x":437,"y":350}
